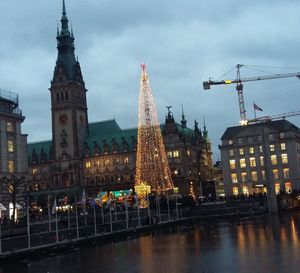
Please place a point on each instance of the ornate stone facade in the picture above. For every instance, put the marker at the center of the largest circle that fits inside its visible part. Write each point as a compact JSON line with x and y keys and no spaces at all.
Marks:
{"x":101,"y":155}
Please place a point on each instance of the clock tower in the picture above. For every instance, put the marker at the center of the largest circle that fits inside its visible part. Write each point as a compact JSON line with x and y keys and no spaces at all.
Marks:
{"x":69,"y":110}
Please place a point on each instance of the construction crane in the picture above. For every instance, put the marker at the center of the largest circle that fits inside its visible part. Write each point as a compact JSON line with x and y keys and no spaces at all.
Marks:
{"x":239,"y":86}
{"x":273,"y":117}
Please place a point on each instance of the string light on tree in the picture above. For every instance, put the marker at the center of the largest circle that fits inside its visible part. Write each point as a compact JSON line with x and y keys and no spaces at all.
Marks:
{"x":152,"y":168}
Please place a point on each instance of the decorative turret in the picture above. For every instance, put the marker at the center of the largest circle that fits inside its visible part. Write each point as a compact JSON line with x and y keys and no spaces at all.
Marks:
{"x":183,"y":120}
{"x":205,"y":132}
{"x":66,"y":61}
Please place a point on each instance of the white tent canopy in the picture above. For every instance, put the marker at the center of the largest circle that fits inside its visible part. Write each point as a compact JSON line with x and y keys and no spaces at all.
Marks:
{"x":2,"y":207}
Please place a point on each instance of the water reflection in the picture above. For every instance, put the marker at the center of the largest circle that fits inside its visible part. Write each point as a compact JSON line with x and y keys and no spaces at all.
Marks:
{"x":263,"y":244}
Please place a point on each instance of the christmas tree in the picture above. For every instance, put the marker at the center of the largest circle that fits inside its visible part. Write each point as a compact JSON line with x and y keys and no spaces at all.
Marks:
{"x":152,"y":168}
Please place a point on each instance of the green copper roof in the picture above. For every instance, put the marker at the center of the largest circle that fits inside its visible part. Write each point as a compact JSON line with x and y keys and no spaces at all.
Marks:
{"x":103,"y":131}
{"x":37,"y":146}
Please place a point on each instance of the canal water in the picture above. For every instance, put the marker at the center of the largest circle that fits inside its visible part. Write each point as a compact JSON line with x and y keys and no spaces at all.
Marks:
{"x":260,"y":245}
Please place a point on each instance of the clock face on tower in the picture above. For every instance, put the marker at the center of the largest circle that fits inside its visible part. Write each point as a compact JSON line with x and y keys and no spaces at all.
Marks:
{"x":63,"y":118}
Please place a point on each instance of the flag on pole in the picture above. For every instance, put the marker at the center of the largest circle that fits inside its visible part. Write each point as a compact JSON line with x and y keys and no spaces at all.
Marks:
{"x":54,"y":206}
{"x":257,"y":107}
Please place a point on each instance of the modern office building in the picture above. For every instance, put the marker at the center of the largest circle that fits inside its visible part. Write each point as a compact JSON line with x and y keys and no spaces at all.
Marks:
{"x":244,"y":164}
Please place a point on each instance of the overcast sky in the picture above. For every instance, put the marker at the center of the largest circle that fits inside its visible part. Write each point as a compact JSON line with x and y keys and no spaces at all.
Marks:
{"x":182,"y":42}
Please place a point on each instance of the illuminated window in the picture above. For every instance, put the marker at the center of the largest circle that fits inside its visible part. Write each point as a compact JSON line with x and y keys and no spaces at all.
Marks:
{"x":235,"y":190}
{"x":10,"y":166}
{"x":254,"y":176}
{"x":188,"y":152}
{"x":277,"y":188}
{"x":126,"y":160}
{"x":232,"y":163}
{"x":243,"y":163}
{"x":274,"y":159}
{"x":244,"y":176}
{"x":9,"y":126}
{"x":286,"y":173}
{"x":276,"y":174}
{"x":87,"y":164}
{"x":282,"y":146}
{"x":263,"y":175}
{"x":245,"y":190}
{"x":34,"y":171}
{"x":288,"y":187}
{"x":251,"y":150}
{"x":252,"y":162}
{"x":234,"y":178}
{"x":284,"y":159}
{"x":97,"y":163}
{"x":230,"y":141}
{"x":261,"y":160}
{"x":231,"y":153}
{"x":106,"y":162}
{"x":241,"y":151}
{"x":176,"y":153}
{"x":260,"y":149}
{"x":10,"y":146}
{"x":170,"y":154}
{"x":272,"y":147}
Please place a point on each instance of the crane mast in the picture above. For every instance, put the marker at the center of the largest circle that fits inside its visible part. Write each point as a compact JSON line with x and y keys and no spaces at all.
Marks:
{"x":239,"y":87}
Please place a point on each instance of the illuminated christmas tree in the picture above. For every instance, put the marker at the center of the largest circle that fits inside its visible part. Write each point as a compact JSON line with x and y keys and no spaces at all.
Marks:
{"x":152,"y":168}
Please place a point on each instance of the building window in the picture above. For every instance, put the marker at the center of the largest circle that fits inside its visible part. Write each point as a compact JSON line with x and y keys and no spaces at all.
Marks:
{"x":288,"y":187}
{"x":87,"y":164}
{"x":170,"y":154}
{"x":254,"y":176}
{"x":286,"y":173}
{"x":282,"y":135}
{"x":244,"y":177}
{"x":232,"y":164}
{"x":251,"y":150}
{"x":231,"y":153}
{"x":277,"y":188}
{"x":241,"y":151}
{"x":234,"y":178}
{"x":272,"y":148}
{"x":261,"y":160}
{"x":282,"y":146}
{"x":245,"y":190}
{"x":252,"y":162}
{"x":260,"y":149}
{"x":34,"y":171}
{"x":230,"y":141}
{"x":126,"y":160}
{"x":9,"y":126}
{"x":188,"y":152}
{"x":284,"y":159}
{"x":271,"y":136}
{"x":276,"y":174}
{"x":263,"y":175}
{"x":10,"y":165}
{"x":176,"y":153}
{"x":98,"y":163}
{"x":235,"y":190}
{"x":243,"y":163}
{"x":10,"y":146}
{"x":274,"y":159}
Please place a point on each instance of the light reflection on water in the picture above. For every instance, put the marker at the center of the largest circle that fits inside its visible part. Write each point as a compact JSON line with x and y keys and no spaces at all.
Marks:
{"x":269,"y":244}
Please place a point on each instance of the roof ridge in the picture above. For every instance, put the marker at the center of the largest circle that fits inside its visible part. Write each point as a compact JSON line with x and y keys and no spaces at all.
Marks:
{"x":40,"y":141}
{"x":94,"y":122}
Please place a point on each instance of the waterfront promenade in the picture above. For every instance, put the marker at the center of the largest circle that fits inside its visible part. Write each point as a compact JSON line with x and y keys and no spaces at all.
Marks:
{"x":71,"y":228}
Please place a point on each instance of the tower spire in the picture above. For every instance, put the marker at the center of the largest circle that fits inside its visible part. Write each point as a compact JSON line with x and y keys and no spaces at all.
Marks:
{"x":64,"y":8}
{"x":183,"y":120}
{"x":205,"y":132}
